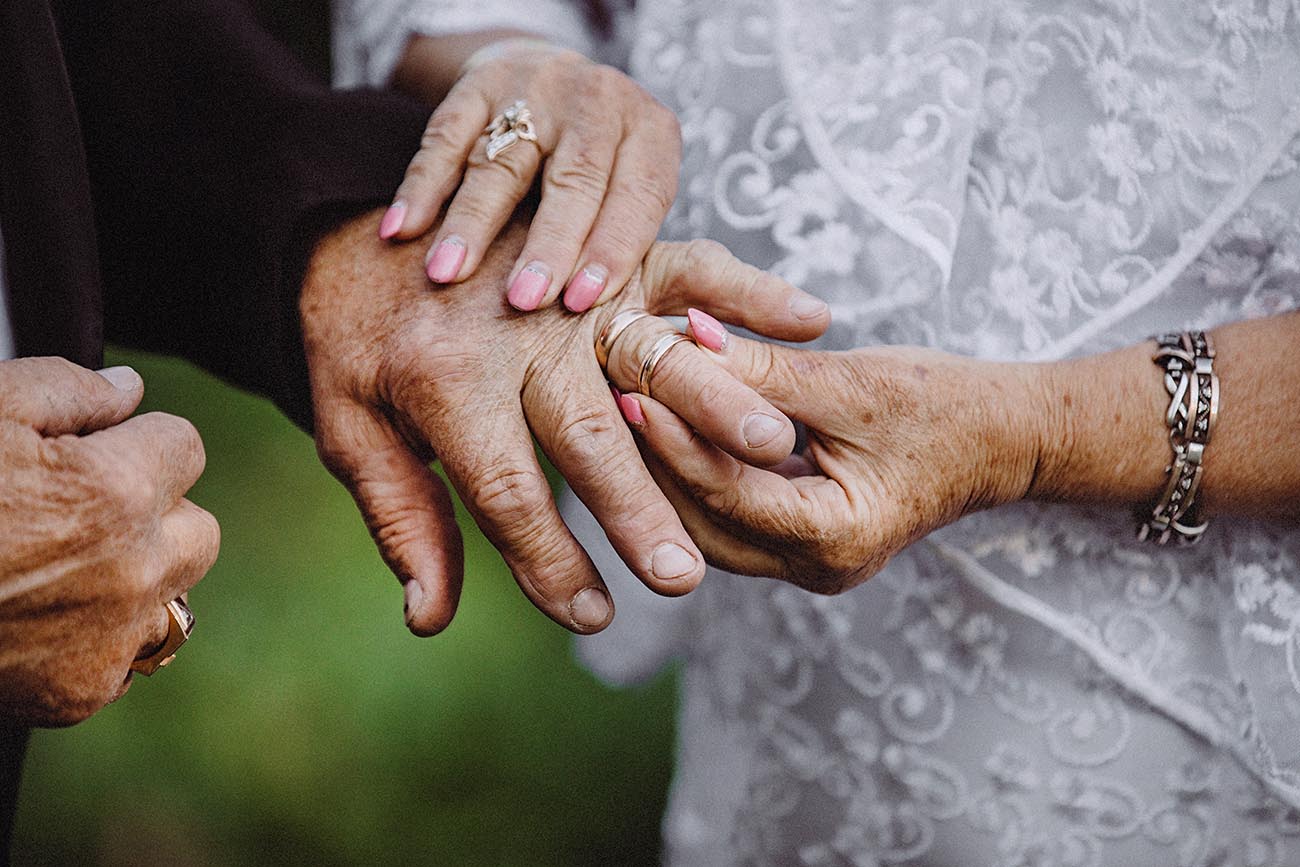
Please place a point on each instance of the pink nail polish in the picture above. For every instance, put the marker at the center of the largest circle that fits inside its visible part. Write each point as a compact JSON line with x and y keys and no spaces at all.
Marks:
{"x":617,"y":394}
{"x":444,"y":263}
{"x":631,"y":409}
{"x":391,"y":224}
{"x":529,"y":286}
{"x":707,"y":331}
{"x":585,"y":288}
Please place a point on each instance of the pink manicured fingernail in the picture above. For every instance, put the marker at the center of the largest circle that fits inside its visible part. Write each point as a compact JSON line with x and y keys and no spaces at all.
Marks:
{"x":529,"y":286}
{"x":446,"y":259}
{"x":617,"y":394}
{"x":707,"y":331}
{"x":391,"y":224}
{"x":585,"y":288}
{"x":631,"y":409}
{"x":806,"y":306}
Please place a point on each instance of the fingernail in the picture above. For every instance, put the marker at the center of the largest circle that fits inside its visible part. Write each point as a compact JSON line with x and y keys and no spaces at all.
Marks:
{"x":617,"y":394}
{"x":529,"y":286}
{"x":670,"y":561}
{"x":446,"y":259}
{"x":414,"y":593}
{"x":391,"y":224}
{"x":707,"y":331}
{"x":590,"y":608}
{"x":585,"y":288}
{"x":807,"y":307}
{"x":123,"y":378}
{"x":760,"y":429}
{"x":631,"y":409}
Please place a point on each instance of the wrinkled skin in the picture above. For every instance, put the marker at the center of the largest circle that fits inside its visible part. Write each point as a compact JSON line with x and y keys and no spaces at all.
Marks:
{"x":95,"y":536}
{"x":403,"y":372}
{"x":901,"y":441}
{"x":606,"y":162}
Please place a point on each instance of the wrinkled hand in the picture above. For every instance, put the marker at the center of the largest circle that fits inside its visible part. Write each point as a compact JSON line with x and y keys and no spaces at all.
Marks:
{"x":402,"y":373}
{"x":95,"y":536}
{"x":901,"y":441}
{"x":608,"y":154}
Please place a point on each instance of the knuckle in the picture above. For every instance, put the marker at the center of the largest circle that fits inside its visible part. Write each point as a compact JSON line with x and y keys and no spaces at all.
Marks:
{"x":703,"y":254}
{"x":207,"y":541}
{"x":129,"y":491}
{"x":510,"y":496}
{"x":581,"y":173}
{"x":589,"y":436}
{"x":442,"y":134}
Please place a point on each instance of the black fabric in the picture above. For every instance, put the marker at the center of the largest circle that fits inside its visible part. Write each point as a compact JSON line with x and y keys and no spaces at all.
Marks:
{"x":45,"y":210}
{"x":212,"y":153}
{"x":165,"y":169}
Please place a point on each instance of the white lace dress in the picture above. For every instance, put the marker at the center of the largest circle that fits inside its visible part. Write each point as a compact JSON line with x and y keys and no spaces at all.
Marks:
{"x":1017,"y":179}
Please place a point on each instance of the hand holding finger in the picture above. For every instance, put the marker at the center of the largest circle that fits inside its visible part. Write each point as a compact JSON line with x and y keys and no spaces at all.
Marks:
{"x":725,"y":410}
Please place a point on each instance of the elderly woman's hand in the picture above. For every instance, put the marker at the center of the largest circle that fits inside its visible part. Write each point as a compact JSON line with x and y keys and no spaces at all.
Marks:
{"x":900,"y":442}
{"x":608,"y":154}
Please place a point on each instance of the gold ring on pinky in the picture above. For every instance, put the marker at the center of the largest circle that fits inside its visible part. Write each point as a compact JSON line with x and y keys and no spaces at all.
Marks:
{"x":611,"y":332}
{"x":661,"y":348}
{"x":180,"y":623}
{"x":510,"y":126}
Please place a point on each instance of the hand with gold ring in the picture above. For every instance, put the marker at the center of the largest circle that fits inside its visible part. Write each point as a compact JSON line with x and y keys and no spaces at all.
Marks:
{"x":606,"y":150}
{"x":96,"y":537}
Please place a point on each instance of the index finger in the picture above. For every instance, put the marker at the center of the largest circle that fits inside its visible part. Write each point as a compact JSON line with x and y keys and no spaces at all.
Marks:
{"x":437,"y":167}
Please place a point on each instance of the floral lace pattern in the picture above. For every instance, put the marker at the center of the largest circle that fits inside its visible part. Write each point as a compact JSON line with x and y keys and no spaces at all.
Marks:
{"x":1007,"y":179}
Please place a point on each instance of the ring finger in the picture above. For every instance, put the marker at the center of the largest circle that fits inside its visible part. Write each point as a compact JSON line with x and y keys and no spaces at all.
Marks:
{"x":712,"y":401}
{"x":488,"y":195}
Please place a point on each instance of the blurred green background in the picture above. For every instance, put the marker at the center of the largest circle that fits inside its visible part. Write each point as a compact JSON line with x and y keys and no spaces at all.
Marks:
{"x":304,"y":725}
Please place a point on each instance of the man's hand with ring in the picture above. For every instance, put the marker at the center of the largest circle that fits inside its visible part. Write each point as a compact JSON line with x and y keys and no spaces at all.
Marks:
{"x":95,"y":535}
{"x":607,"y":151}
{"x":402,"y":373}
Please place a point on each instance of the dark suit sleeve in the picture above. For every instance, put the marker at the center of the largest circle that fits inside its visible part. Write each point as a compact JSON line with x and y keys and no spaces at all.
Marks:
{"x":215,"y":162}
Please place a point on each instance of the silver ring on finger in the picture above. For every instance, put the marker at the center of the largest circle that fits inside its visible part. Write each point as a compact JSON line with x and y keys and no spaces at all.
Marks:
{"x":511,"y":126}
{"x":662,"y":347}
{"x":612,"y":330}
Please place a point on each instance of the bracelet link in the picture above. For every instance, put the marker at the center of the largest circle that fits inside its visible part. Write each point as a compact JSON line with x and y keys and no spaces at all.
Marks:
{"x":1193,"y":387}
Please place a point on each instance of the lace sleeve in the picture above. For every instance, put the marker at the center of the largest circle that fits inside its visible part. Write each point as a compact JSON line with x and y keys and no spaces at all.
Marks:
{"x":370,"y":35}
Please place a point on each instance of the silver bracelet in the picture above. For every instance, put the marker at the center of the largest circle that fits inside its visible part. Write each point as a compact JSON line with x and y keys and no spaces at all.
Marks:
{"x":1188,"y":362}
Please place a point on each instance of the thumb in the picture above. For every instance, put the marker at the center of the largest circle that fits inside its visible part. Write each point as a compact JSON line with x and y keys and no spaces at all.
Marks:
{"x":704,"y":274}
{"x":405,"y":505}
{"x":57,"y":397}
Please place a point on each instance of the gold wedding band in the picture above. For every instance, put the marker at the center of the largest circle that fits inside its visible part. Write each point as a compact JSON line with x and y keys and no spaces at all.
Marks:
{"x":661,"y":348}
{"x":180,"y":623}
{"x":611,"y":331}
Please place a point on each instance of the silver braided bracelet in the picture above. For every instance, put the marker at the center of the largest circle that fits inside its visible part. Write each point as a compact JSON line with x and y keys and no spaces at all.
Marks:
{"x":1188,"y":362}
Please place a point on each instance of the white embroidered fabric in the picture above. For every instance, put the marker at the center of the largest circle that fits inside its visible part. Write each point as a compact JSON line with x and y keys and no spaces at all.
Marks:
{"x":1018,"y":179}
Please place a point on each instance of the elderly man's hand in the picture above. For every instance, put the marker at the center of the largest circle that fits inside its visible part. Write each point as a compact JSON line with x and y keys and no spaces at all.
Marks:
{"x":95,"y":535}
{"x":403,"y":372}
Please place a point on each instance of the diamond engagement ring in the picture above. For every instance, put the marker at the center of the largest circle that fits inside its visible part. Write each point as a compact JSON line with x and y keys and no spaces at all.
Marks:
{"x":508,"y":127}
{"x":180,"y":622}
